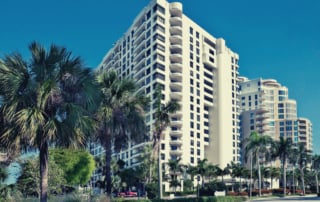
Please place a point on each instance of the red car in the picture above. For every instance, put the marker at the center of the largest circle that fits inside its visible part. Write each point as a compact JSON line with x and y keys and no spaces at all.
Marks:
{"x":127,"y":194}
{"x":131,"y":194}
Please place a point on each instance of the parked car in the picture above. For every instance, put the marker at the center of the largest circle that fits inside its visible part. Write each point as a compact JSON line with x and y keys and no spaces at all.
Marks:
{"x":131,"y":194}
{"x":127,"y":194}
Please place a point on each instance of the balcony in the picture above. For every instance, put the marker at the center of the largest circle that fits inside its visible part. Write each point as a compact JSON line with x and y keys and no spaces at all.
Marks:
{"x":176,"y":67}
{"x":261,"y":117}
{"x":176,"y":95}
{"x":175,"y":9}
{"x":176,"y":21}
{"x":177,"y":48}
{"x":176,"y":133}
{"x":176,"y":122}
{"x":176,"y":30}
{"x":176,"y":142}
{"x":176,"y":152}
{"x":176,"y":58}
{"x":177,"y":76}
{"x":176,"y":40}
{"x":176,"y":86}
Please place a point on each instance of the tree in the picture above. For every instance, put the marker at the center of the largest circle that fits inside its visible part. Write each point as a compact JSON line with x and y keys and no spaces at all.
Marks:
{"x":256,"y":145}
{"x":120,"y":116}
{"x":282,"y":149}
{"x":78,"y":165}
{"x":202,"y":169}
{"x":175,"y":169}
{"x":274,"y":174}
{"x":316,"y":169}
{"x":28,"y":182}
{"x":303,"y":157}
{"x":3,"y":174}
{"x":162,"y":121}
{"x":46,"y":101}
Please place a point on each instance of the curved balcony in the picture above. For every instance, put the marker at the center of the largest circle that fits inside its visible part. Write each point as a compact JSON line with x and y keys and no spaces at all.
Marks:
{"x":176,"y":115}
{"x":176,"y":142}
{"x":176,"y":21}
{"x":177,"y":123}
{"x":176,"y":95}
{"x":176,"y":86}
{"x":176,"y":30}
{"x":176,"y":39}
{"x":175,"y":9}
{"x":176,"y":48}
{"x":176,"y":152}
{"x":176,"y":67}
{"x":176,"y":58}
{"x":261,"y":117}
{"x":176,"y":133}
{"x":261,"y":110}
{"x":176,"y":76}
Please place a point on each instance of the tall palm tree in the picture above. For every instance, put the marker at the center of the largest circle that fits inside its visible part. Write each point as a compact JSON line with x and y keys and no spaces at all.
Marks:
{"x":282,"y":149}
{"x":316,"y":168}
{"x":162,"y":121}
{"x":274,"y":174}
{"x":46,"y":101}
{"x":119,"y":115}
{"x":303,"y":157}
{"x":211,"y":171}
{"x":202,"y":169}
{"x":256,"y":145}
{"x":175,"y":169}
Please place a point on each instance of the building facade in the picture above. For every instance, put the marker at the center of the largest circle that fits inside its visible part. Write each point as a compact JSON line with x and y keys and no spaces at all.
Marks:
{"x":164,"y":47}
{"x":267,"y":109}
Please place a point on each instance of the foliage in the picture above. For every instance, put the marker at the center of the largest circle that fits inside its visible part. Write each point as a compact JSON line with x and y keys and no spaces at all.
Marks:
{"x":120,"y":116}
{"x":151,"y":189}
{"x":205,"y":199}
{"x":78,"y":165}
{"x":46,"y":101}
{"x":3,"y":173}
{"x":28,"y":182}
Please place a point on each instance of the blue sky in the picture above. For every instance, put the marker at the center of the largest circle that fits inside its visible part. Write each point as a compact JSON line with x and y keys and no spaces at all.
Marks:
{"x":275,"y":39}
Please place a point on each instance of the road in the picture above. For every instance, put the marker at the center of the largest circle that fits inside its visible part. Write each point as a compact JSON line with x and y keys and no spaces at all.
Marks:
{"x":297,"y":198}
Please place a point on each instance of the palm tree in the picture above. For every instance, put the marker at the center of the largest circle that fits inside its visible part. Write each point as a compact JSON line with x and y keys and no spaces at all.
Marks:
{"x":162,"y":121}
{"x":316,"y":168}
{"x":120,"y":116}
{"x":222,"y":172}
{"x":236,"y":170}
{"x":175,"y":169}
{"x":303,"y":157}
{"x":202,"y":169}
{"x":282,"y":149}
{"x":46,"y":102}
{"x":211,"y":171}
{"x":256,"y":145}
{"x":274,"y":174}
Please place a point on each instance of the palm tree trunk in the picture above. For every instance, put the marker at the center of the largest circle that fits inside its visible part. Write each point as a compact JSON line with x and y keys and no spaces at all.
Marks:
{"x":284,"y":177}
{"x":44,"y":153}
{"x":159,"y":171}
{"x":259,"y":175}
{"x":317,"y":182}
{"x":302,"y":180}
{"x":108,"y":165}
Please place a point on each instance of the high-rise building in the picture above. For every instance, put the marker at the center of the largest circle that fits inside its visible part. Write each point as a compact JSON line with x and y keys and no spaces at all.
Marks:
{"x":165,"y":47}
{"x":267,"y":109}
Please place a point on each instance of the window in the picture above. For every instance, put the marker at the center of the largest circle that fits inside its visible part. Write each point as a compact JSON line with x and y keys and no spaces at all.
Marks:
{"x":197,"y":35}
{"x":158,"y":8}
{"x":191,"y":30}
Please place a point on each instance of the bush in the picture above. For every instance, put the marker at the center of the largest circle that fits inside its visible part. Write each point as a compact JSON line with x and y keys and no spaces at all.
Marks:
{"x":152,"y":190}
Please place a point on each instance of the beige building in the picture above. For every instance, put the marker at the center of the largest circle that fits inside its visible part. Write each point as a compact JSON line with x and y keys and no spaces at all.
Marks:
{"x":165,"y":47}
{"x":267,"y":109}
